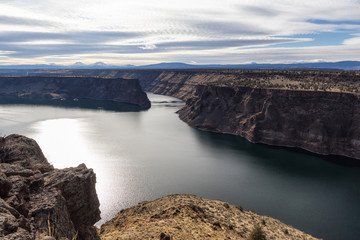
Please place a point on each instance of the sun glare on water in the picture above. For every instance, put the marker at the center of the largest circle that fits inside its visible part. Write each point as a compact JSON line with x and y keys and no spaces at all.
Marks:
{"x":64,"y":142}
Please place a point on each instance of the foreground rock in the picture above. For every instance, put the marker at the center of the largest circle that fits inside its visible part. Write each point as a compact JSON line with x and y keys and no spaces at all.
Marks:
{"x":113,"y":89}
{"x":40,"y":202}
{"x":321,"y":122}
{"x":191,"y":217}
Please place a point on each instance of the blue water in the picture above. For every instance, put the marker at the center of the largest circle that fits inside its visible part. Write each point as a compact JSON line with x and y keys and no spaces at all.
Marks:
{"x":143,"y":155}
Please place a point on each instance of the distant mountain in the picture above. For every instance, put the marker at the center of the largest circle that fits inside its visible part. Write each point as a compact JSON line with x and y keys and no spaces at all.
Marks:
{"x":174,"y":65}
{"x":77,"y":65}
{"x":344,"y":65}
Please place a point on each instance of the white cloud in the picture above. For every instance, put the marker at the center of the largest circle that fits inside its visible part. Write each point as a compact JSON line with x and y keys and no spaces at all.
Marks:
{"x":203,"y":30}
{"x":353,"y":41}
{"x":148,"y":46}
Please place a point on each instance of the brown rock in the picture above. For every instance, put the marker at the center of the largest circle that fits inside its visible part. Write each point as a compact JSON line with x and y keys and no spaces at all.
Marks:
{"x":40,"y":202}
{"x":23,"y":151}
{"x":5,"y":185}
{"x":50,"y":215}
{"x":78,"y":188}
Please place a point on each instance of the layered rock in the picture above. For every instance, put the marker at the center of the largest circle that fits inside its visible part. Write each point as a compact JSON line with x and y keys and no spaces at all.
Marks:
{"x":40,"y":202}
{"x":114,"y":89}
{"x":191,"y":217}
{"x":181,"y":83}
{"x":320,"y":122}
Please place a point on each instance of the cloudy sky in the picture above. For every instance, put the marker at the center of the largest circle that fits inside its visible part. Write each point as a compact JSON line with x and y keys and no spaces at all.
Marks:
{"x":191,"y":31}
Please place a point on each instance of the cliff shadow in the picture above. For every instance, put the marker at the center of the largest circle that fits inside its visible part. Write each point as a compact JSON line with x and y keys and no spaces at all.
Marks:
{"x":106,"y":105}
{"x":342,"y":161}
{"x":274,"y":156}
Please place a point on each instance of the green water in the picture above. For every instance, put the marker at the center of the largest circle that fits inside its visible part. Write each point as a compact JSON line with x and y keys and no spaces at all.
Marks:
{"x":143,"y":155}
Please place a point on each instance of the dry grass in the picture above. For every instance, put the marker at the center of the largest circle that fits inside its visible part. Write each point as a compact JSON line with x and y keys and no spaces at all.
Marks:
{"x":191,"y":217}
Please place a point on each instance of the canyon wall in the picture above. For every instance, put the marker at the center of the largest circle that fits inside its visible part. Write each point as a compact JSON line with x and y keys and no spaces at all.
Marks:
{"x":181,"y":83}
{"x":320,"y":122}
{"x":309,"y":109}
{"x":114,"y":89}
{"x":38,"y":201}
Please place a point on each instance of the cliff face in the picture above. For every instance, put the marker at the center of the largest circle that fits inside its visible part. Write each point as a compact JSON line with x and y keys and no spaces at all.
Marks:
{"x":320,"y":122}
{"x":182,"y":83}
{"x":40,"y":202}
{"x":114,"y":89}
{"x":191,"y":217}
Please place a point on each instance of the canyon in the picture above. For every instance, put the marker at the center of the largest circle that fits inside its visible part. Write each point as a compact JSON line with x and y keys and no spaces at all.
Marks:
{"x":314,"y":110}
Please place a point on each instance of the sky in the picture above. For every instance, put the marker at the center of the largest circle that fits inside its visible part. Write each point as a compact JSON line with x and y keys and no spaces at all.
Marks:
{"x":143,"y":32}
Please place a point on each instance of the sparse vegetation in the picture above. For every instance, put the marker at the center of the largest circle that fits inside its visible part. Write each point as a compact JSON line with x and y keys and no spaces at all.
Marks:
{"x":257,"y":234}
{"x":75,"y":237}
{"x":305,"y":80}
{"x":51,"y":227}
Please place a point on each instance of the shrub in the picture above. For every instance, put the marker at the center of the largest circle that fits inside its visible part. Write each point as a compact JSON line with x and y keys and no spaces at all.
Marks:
{"x":257,"y":234}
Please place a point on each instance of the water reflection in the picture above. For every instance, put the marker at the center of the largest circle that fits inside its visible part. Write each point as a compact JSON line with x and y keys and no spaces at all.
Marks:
{"x":68,"y":142}
{"x":72,"y":103}
{"x":65,"y":141}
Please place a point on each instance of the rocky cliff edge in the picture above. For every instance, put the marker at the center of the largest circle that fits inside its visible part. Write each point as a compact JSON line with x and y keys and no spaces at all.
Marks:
{"x":38,"y":201}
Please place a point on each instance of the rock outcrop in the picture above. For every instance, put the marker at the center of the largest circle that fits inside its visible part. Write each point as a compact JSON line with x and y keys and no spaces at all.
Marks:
{"x":320,"y":122}
{"x":113,"y":89}
{"x":40,"y":202}
{"x":191,"y":217}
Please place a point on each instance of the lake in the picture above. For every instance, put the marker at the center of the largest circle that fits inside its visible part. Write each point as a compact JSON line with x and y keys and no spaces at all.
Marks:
{"x":144,"y":155}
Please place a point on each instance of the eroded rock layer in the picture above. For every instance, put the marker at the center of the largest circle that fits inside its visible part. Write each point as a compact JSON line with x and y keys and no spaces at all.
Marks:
{"x":181,"y":83}
{"x":40,"y":202}
{"x":320,"y":122}
{"x":190,"y":217}
{"x":114,"y":89}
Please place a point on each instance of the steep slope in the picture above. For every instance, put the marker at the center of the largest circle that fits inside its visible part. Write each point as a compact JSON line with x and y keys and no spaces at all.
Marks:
{"x":114,"y":89}
{"x":320,"y":122}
